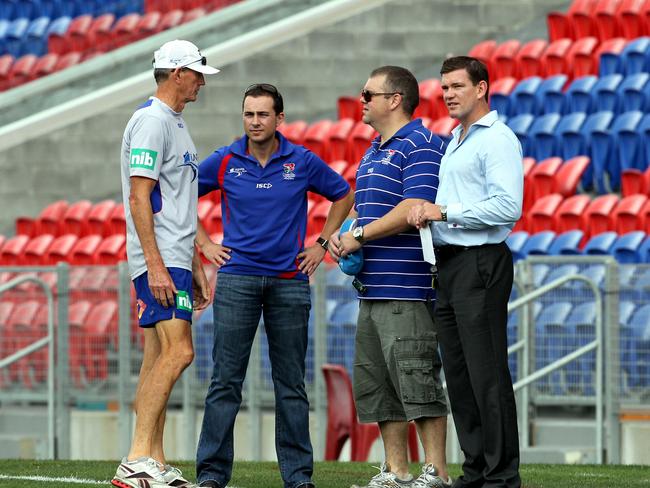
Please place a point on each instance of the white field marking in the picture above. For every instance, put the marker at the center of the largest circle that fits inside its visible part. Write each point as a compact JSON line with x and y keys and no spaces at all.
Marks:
{"x":79,"y":481}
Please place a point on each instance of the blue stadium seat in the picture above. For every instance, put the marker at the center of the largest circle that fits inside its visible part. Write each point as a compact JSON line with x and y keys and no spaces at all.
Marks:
{"x":58,"y":26}
{"x":542,"y":136}
{"x":550,"y":95}
{"x":539,"y":243}
{"x":567,"y":243}
{"x":578,"y":96}
{"x":640,"y":341}
{"x":634,"y":57}
{"x":557,"y":273}
{"x":628,"y":142}
{"x":581,"y":324}
{"x":604,"y":94}
{"x":523,"y":99}
{"x":67,"y":9}
{"x":23,"y":9}
{"x":600,"y":244}
{"x":569,"y":138}
{"x":85,"y":7}
{"x":516,"y":242}
{"x":203,"y":333}
{"x":627,"y":246}
{"x":634,"y":92}
{"x":626,"y":342}
{"x":552,"y":341}
{"x":596,"y":130}
{"x":540,"y":272}
{"x":644,"y":130}
{"x":595,"y":273}
{"x":501,"y":103}
{"x":644,"y":251}
{"x":520,"y":125}
{"x":15,"y":35}
{"x":6,"y":9}
{"x":340,"y":334}
{"x":4,"y":27}
{"x":35,"y":37}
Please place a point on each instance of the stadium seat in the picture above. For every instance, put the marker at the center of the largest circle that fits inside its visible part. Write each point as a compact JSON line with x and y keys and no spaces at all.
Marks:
{"x":570,"y":214}
{"x":195,"y":13}
{"x":147,"y":25}
{"x":50,"y":219}
{"x":575,"y":23}
{"x":35,"y":37}
{"x":21,"y":71}
{"x":124,"y":30}
{"x":13,"y":41}
{"x":12,"y":250}
{"x":568,"y":176}
{"x":83,"y":253}
{"x":18,"y":334}
{"x":99,"y":218}
{"x":316,"y":138}
{"x":500,"y":94}
{"x":516,"y":242}
{"x":550,"y":94}
{"x":349,"y":107}
{"x":567,"y":243}
{"x":172,"y":19}
{"x":520,"y":125}
{"x":644,"y":250}
{"x":600,"y":244}
{"x":552,"y":342}
{"x":45,"y":65}
{"x":631,"y":20}
{"x":539,"y":243}
{"x":541,"y":215}
{"x":75,"y":218}
{"x":60,"y":249}
{"x":578,"y":96}
{"x":605,"y":92}
{"x":634,"y":92}
{"x":99,"y":33}
{"x":523,"y":98}
{"x":580,"y":58}
{"x":554,"y":59}
{"x":633,"y":57}
{"x":570,"y":140}
{"x":342,"y":423}
{"x":597,"y":214}
{"x":361,"y":137}
{"x":338,"y":137}
{"x":443,"y":126}
{"x":581,"y":325}
{"x":350,"y":174}
{"x":627,"y":215}
{"x":430,"y":91}
{"x":205,"y":208}
{"x":111,"y":250}
{"x":215,"y":222}
{"x":6,"y":62}
{"x":628,"y":142}
{"x":36,"y":250}
{"x":634,"y":181}
{"x":483,"y":52}
{"x":56,"y":41}
{"x":596,"y":131}
{"x":77,"y":315}
{"x":627,"y":248}
{"x":294,"y":131}
{"x":529,"y":58}
{"x":77,"y":35}
{"x":606,"y":19}
{"x":608,"y":56}
{"x":318,"y":216}
{"x":542,"y":177}
{"x":67,"y":60}
{"x":100,"y":329}
{"x":504,"y":59}
{"x":541,"y":136}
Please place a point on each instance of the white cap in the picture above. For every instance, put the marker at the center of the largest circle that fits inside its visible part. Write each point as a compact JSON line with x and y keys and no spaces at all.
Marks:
{"x":181,"y":54}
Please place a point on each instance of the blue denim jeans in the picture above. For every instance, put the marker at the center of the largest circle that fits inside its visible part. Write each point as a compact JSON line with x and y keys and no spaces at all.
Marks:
{"x":239,"y":302}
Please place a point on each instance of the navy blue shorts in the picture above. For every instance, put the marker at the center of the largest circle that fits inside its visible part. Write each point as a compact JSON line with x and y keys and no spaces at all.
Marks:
{"x":150,"y":311}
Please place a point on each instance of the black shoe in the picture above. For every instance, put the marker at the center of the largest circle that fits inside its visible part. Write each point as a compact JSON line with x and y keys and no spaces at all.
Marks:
{"x":210,"y":484}
{"x":307,"y":484}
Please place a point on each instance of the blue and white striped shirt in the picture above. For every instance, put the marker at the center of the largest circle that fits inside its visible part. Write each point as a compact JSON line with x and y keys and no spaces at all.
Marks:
{"x":405,"y":166}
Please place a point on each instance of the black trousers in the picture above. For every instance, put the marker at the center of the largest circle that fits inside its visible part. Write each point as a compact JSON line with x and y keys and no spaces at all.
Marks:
{"x":471,"y":318}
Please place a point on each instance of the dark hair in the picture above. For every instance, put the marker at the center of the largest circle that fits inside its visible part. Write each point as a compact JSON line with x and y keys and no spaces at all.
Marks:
{"x":161,"y":74}
{"x":476,"y":70}
{"x":265,"y":90}
{"x":402,"y":81}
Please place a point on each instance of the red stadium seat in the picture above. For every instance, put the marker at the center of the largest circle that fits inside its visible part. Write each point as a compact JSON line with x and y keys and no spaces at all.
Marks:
{"x":634,"y":181}
{"x":568,"y":176}
{"x":171,"y":19}
{"x":111,"y":250}
{"x":580,"y":58}
{"x":316,"y":138}
{"x":205,"y":209}
{"x":75,"y":218}
{"x":606,"y":17}
{"x":317,"y":217}
{"x":529,"y":58}
{"x":83,"y":253}
{"x":570,"y":213}
{"x":215,"y":220}
{"x":6,"y":62}
{"x":443,"y":126}
{"x":542,"y":177}
{"x":631,"y":20}
{"x":124,"y":30}
{"x":645,"y":217}
{"x":44,"y":66}
{"x":18,"y":334}
{"x":50,"y":220}
{"x":483,"y":52}
{"x":339,"y":166}
{"x":195,"y":13}
{"x":60,"y":249}
{"x":12,"y":250}
{"x":77,"y":315}
{"x":541,"y":215}
{"x":21,"y":71}
{"x":529,"y":163}
{"x":597,"y":215}
{"x":613,"y":46}
{"x":350,"y":174}
{"x":147,"y":25}
{"x":99,"y":329}
{"x":117,"y":222}
{"x":99,"y":218}
{"x":360,"y":138}
{"x":99,"y":34}
{"x":36,"y":249}
{"x":581,"y":17}
{"x":6,"y":347}
{"x":627,"y":215}
{"x":504,"y":59}
{"x":338,"y":137}
{"x":430,"y":91}
{"x":554,"y":58}
{"x":67,"y":60}
{"x":77,"y":35}
{"x":294,"y":131}
{"x":349,"y":108}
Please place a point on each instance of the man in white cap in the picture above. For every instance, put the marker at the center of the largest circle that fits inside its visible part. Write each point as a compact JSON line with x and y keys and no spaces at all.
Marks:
{"x":160,"y":192}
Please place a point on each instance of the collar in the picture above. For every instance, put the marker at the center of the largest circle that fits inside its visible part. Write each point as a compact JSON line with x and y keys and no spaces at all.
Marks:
{"x":486,"y":121}
{"x":164,"y":106}
{"x":404,"y":131}
{"x":240,"y":147}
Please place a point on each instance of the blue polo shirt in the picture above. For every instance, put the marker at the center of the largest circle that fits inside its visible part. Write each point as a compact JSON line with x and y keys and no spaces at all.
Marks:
{"x":405,"y":166}
{"x":264,"y":209}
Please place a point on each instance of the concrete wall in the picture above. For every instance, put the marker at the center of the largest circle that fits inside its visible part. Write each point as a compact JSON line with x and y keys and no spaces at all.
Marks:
{"x":82,"y":160}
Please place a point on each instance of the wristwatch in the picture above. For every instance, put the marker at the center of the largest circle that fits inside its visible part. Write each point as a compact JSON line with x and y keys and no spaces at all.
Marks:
{"x":324,"y":243}
{"x":443,"y":213}
{"x":357,"y":233}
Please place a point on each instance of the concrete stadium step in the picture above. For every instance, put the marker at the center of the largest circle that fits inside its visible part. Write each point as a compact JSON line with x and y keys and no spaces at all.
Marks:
{"x":558,"y":455}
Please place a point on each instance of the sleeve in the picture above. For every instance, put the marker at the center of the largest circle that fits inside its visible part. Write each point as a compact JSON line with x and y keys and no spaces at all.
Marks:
{"x":503,"y":169}
{"x":147,"y":148}
{"x":209,"y":172}
{"x":324,"y":180}
{"x":420,"y":170}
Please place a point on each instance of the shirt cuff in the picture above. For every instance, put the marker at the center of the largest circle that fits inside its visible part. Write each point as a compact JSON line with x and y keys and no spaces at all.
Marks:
{"x":455,"y":215}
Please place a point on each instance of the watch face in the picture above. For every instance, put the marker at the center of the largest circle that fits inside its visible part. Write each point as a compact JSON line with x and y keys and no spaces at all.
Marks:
{"x":357,"y":232}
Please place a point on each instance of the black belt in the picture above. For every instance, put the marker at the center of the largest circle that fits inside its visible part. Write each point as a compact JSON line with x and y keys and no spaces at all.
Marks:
{"x":449,"y":251}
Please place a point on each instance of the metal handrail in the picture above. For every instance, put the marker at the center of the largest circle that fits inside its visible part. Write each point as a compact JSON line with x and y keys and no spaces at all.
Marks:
{"x":47,"y":340}
{"x":596,"y":344}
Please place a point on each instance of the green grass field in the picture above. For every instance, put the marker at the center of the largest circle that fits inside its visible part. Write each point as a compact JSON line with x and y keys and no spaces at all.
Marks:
{"x":20,"y":473}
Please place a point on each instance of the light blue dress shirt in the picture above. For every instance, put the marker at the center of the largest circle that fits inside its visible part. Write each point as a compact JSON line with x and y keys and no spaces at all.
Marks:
{"x":481,"y":183}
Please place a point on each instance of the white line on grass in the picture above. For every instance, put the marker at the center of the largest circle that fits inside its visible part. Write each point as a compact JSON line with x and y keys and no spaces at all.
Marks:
{"x":79,"y":481}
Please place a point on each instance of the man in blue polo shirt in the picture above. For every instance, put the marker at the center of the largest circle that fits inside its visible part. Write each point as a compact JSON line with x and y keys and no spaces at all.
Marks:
{"x":264,"y":180}
{"x":396,"y":365}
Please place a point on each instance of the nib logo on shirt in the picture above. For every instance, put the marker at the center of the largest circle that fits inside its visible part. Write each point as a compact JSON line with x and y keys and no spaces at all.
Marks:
{"x":143,"y":158}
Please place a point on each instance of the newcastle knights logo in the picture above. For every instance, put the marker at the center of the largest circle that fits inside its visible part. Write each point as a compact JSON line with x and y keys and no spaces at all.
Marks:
{"x":289,"y":169}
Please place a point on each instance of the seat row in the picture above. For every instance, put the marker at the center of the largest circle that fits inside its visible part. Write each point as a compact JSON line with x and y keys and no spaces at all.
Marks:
{"x":32,"y":9}
{"x":15,"y":72}
{"x":593,"y":217}
{"x":632,"y":247}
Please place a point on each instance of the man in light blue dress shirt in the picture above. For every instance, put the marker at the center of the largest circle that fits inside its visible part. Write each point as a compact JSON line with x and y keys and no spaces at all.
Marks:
{"x":478,"y":202}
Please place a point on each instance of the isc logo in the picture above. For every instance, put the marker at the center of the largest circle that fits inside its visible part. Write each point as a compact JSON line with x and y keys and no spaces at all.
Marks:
{"x":143,"y":158}
{"x":264,"y":185}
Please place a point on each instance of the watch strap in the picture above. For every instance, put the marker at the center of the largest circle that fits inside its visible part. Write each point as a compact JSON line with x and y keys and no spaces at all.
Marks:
{"x":322,"y":242}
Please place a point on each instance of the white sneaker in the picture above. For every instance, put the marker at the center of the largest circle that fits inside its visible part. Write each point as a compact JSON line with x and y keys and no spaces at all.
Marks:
{"x":143,"y":472}
{"x":386,"y":479}
{"x":430,"y":479}
{"x":174,"y":477}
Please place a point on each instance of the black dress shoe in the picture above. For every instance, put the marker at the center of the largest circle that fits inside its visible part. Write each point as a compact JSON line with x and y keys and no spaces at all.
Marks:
{"x":210,"y":484}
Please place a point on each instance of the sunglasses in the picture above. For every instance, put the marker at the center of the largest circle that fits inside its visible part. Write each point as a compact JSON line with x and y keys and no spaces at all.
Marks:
{"x":203,"y":61}
{"x":267,"y":87}
{"x":367,"y":95}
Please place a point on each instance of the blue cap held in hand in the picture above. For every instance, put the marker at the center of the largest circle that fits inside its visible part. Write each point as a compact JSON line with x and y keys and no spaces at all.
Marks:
{"x":352,"y":263}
